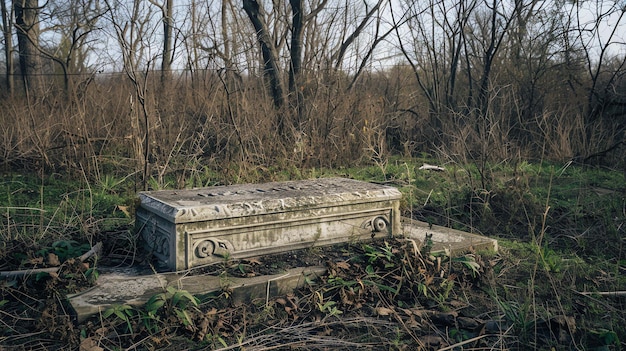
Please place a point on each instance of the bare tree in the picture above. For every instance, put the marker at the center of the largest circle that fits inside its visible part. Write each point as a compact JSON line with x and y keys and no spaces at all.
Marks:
{"x":338,"y":56}
{"x":605,"y":108}
{"x":340,"y":39}
{"x":256,"y":14}
{"x":7,"y":30}
{"x":167,"y":17}
{"x":378,"y":38}
{"x":601,"y":43}
{"x":27,"y":28}
{"x":74,"y":22}
{"x":133,"y":38}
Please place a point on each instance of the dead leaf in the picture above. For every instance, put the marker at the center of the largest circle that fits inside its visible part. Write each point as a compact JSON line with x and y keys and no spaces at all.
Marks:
{"x":203,"y":329}
{"x":125,"y":210}
{"x":253,"y":261}
{"x":468,"y":323}
{"x":90,"y":344}
{"x":384,"y":311}
{"x":412,"y":323}
{"x":444,"y":318}
{"x":347,"y":297}
{"x":433,"y":341}
{"x":564,"y":322}
{"x":407,"y":311}
{"x":457,"y":304}
{"x":343,"y":265}
{"x":53,"y":260}
{"x":36,"y":260}
{"x":420,"y":313}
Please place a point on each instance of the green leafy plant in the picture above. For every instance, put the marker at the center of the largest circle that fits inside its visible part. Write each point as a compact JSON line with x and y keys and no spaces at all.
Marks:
{"x":171,"y":301}
{"x":606,"y":338}
{"x":109,"y":183}
{"x":69,"y":248}
{"x":92,"y":274}
{"x":518,"y":314}
{"x":340,"y":282}
{"x":65,"y":249}
{"x":327,"y":307}
{"x":123,"y":313}
{"x":377,"y":255}
{"x":551,"y":260}
{"x":427,"y":245}
{"x":469,"y":261}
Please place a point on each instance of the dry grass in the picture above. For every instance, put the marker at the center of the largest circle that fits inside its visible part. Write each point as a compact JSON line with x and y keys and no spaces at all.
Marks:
{"x":209,"y":119}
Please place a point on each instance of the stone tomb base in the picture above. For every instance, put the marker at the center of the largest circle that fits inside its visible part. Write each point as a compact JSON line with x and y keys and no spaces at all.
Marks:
{"x":134,"y":286}
{"x":189,"y":228}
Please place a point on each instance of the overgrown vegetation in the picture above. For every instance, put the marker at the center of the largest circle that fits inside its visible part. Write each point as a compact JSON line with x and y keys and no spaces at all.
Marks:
{"x":522,"y":103}
{"x":556,"y":282}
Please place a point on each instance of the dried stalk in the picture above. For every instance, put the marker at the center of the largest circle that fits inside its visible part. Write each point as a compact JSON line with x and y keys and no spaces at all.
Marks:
{"x":603,"y":293}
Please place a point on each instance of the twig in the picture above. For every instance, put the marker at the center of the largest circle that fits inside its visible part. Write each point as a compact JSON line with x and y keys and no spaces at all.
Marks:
{"x":93,"y":251}
{"x":428,"y":198}
{"x":28,"y":272}
{"x":463,"y":342}
{"x":603,"y":293}
{"x":23,"y":208}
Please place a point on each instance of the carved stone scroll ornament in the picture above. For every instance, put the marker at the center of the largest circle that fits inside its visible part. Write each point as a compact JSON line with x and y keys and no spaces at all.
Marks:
{"x":212,"y":247}
{"x":377,"y":224}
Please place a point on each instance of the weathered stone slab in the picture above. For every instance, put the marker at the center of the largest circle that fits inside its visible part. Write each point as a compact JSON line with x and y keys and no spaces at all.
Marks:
{"x":135,"y":288}
{"x":447,"y":239}
{"x":188,"y":228}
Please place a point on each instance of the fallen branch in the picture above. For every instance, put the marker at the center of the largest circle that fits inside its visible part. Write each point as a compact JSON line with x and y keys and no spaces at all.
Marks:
{"x":28,"y":272}
{"x":93,"y":251}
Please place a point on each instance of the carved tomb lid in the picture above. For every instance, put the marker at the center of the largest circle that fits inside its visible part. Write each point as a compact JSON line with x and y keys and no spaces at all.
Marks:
{"x":202,"y":204}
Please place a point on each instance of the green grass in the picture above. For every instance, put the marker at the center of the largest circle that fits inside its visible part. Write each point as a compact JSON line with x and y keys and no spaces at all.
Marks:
{"x":39,"y":212}
{"x":561,"y":229}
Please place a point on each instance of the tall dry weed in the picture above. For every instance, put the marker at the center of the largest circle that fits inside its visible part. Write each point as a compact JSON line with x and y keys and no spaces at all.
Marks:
{"x":215,"y":118}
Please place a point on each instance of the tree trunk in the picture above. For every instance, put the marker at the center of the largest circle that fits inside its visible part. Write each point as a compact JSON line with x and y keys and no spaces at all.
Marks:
{"x":270,"y":59}
{"x":166,"y":63}
{"x":27,"y":28}
{"x":296,"y":59}
{"x":8,"y":45}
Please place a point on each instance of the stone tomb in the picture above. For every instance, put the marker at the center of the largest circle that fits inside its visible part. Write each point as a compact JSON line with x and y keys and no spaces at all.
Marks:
{"x":193,"y":227}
